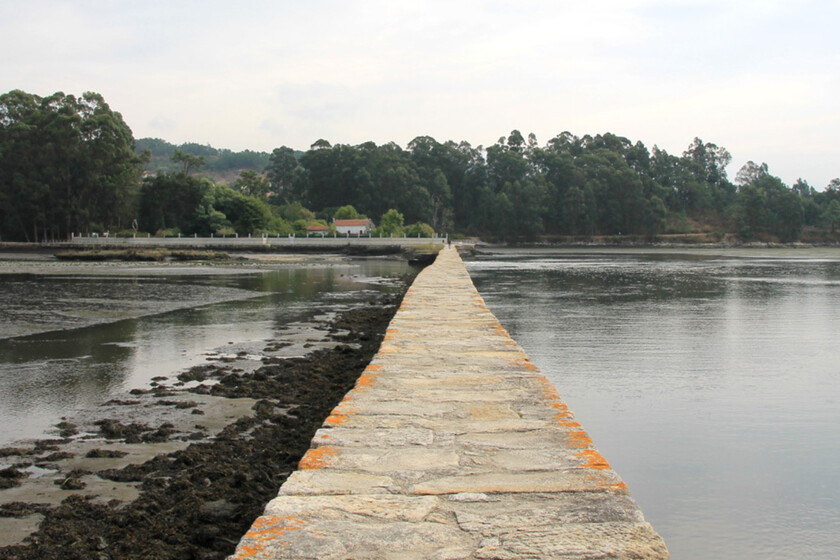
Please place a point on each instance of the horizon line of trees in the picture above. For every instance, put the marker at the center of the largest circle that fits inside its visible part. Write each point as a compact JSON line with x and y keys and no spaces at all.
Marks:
{"x":70,"y":164}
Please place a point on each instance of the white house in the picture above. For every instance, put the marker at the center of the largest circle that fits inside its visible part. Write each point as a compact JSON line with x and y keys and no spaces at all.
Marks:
{"x":353,"y":227}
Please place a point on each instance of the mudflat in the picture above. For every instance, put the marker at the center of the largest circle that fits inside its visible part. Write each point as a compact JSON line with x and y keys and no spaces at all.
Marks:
{"x":181,"y":469}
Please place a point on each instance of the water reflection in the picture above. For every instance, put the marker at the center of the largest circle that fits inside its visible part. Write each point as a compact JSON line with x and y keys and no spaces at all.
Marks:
{"x":711,"y":382}
{"x":169,"y":322}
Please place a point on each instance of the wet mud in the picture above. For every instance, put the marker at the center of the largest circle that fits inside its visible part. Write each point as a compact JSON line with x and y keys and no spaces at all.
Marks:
{"x":197,"y":501}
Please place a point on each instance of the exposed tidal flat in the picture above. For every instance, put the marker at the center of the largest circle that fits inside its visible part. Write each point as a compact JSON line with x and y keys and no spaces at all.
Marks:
{"x":165,"y":424}
{"x":710,"y":379}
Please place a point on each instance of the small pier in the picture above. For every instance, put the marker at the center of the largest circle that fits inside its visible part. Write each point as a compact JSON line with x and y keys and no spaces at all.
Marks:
{"x":452,"y":445}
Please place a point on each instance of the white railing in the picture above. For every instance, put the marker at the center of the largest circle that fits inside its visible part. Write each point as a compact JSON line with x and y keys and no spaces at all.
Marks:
{"x":265,"y":240}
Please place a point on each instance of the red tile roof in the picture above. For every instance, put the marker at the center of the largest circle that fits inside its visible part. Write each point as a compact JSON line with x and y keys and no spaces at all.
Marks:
{"x":362,"y":222}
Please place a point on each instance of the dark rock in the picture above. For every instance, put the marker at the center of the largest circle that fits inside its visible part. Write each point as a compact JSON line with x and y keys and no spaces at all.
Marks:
{"x":217,"y":510}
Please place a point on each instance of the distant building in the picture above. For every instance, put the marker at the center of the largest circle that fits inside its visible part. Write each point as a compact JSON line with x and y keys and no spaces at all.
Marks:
{"x":317,"y":229}
{"x":353,"y":227}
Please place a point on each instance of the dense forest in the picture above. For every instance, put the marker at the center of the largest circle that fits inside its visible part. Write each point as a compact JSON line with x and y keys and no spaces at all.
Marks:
{"x":71,"y":165}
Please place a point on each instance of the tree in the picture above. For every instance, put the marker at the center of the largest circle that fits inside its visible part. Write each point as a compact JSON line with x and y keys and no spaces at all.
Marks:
{"x":251,"y":184}
{"x":247,"y":214}
{"x":803,"y":189}
{"x":832,"y":215}
{"x":172,"y":201}
{"x":66,"y":163}
{"x":710,"y":159}
{"x":655,"y":214}
{"x":282,"y":171}
{"x":346,"y":213}
{"x":189,"y":162}
{"x":391,"y":223}
{"x":420,"y":229}
{"x":750,"y":173}
{"x":574,"y":211}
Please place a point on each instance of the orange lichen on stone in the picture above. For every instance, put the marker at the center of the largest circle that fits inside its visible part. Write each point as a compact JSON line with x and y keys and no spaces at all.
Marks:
{"x":566,"y":420}
{"x":594,"y":460}
{"x":559,"y":405}
{"x":266,"y":528}
{"x":500,"y":330}
{"x":524,"y":362}
{"x":617,"y":486}
{"x":548,"y":390}
{"x":338,"y":418}
{"x":579,"y":439}
{"x":366,"y":380}
{"x":317,"y":458}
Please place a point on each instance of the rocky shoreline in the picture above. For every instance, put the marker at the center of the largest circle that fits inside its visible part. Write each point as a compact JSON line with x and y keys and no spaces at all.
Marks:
{"x":181,"y":470}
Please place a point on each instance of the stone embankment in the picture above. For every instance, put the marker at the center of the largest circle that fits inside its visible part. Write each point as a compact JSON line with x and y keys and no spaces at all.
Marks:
{"x":451,"y":445}
{"x":243,"y":243}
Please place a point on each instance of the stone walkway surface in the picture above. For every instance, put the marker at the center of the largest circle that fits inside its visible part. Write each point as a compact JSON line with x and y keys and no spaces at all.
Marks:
{"x":451,"y":445}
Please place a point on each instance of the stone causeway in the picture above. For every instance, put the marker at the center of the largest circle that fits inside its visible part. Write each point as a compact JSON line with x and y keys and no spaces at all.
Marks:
{"x":452,"y":445}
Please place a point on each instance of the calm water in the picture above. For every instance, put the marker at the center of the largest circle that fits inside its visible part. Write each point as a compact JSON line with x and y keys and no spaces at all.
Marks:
{"x":710,"y":381}
{"x":159,"y":322}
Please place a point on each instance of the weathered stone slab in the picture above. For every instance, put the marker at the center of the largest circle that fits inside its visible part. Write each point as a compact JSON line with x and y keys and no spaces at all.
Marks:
{"x":383,"y":507}
{"x":293,"y":538}
{"x":566,"y":480}
{"x":495,"y":514}
{"x":377,"y":437}
{"x":534,"y":439}
{"x":486,"y":395}
{"x":622,"y":541}
{"x":311,"y":482}
{"x":382,"y":460}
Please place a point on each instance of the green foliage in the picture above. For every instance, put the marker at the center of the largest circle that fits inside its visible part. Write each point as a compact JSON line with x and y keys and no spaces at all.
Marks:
{"x":188,"y":162}
{"x":65,"y":163}
{"x":282,"y":169}
{"x":216,"y":162}
{"x":245,"y":213}
{"x":250,"y":183}
{"x":420,"y":229}
{"x":831,"y":215}
{"x":69,"y":164}
{"x":294,"y":212}
{"x":347,"y":213}
{"x":199,"y":206}
{"x":391,"y":224}
{"x":172,"y":201}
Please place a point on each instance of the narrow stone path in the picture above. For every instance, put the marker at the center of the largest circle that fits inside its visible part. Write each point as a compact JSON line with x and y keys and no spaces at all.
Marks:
{"x":452,"y":445}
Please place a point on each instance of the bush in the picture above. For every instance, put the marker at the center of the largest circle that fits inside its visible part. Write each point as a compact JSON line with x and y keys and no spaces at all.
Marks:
{"x":169,"y":232}
{"x":420,"y":229}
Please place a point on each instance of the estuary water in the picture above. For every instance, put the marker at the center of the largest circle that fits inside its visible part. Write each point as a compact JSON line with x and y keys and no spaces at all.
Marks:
{"x":709,"y":379}
{"x":74,"y":335}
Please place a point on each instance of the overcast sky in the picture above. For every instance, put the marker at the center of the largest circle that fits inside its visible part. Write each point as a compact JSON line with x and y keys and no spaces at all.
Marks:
{"x":761,"y":78}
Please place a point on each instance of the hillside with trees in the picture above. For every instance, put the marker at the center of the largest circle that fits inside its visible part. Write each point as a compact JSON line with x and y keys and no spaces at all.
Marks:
{"x":70,"y":164}
{"x":218,"y":164}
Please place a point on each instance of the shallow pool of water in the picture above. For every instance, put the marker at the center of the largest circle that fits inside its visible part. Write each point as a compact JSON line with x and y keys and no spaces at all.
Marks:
{"x":110,"y":329}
